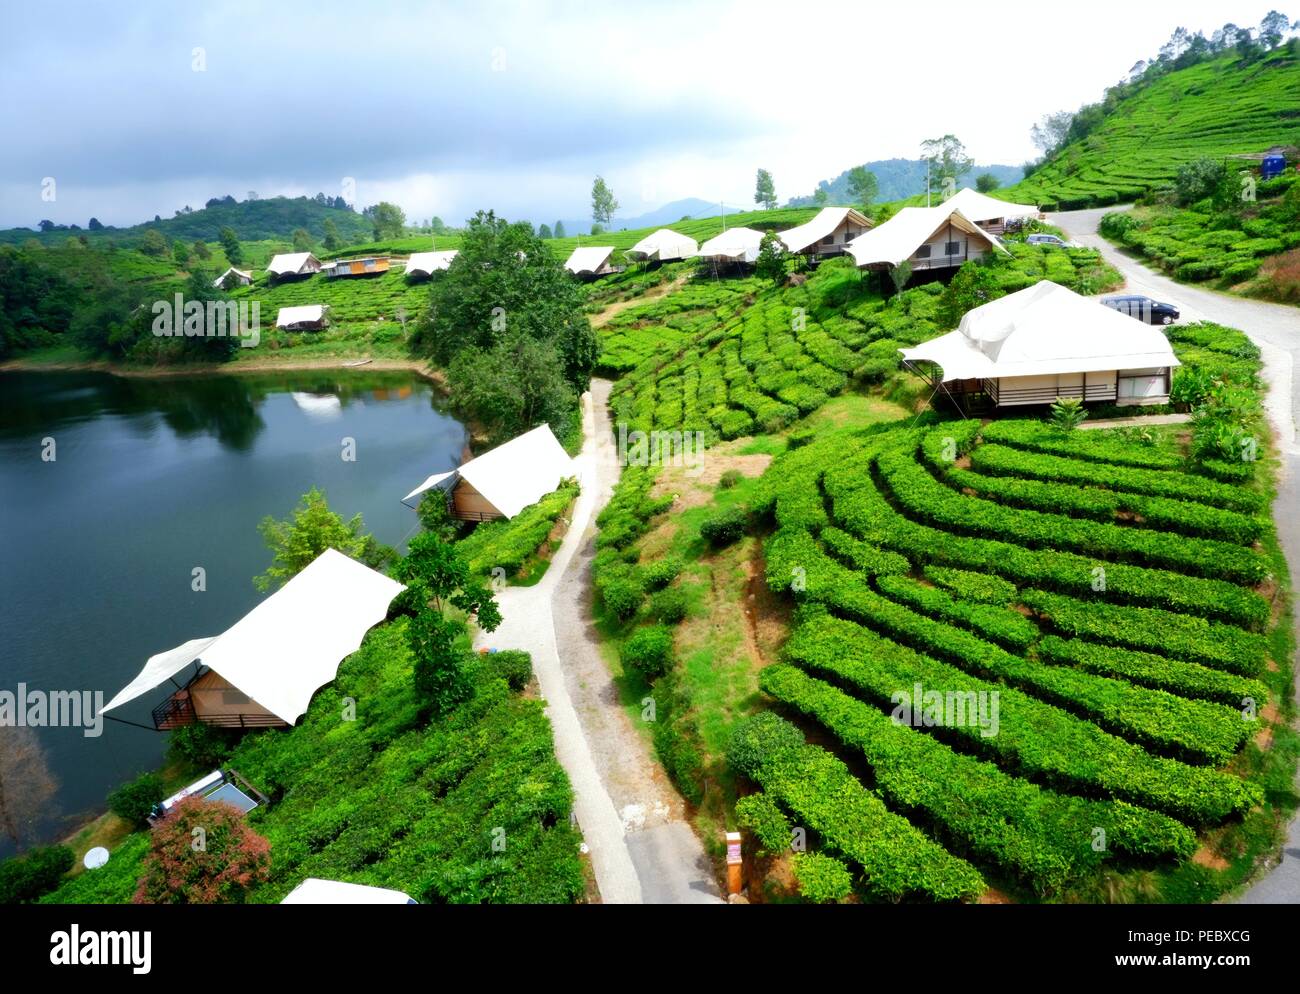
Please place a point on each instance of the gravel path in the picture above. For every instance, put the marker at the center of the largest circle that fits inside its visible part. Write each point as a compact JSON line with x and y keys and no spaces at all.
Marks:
{"x":633,"y":820}
{"x":1275,"y":328}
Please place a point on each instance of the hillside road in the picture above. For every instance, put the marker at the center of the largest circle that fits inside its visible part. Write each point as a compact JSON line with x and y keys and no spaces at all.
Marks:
{"x":1275,"y":328}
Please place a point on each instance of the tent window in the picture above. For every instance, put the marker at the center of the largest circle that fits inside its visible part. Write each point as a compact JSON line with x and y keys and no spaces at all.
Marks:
{"x":923,"y":252}
{"x":829,"y":239}
{"x":952,"y":248}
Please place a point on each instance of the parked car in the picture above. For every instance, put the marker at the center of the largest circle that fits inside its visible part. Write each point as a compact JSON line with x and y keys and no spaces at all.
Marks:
{"x":1051,"y":241}
{"x":1143,"y":308}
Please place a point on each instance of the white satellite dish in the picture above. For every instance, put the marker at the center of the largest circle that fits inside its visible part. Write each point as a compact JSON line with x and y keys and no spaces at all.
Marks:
{"x":96,"y":858}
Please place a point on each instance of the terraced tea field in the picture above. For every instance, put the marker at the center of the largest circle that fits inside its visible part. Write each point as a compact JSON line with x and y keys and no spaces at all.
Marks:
{"x":1113,"y":602}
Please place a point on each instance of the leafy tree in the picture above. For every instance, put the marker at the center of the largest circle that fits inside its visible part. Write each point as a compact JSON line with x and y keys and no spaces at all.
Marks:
{"x":603,"y":204}
{"x":972,"y":285}
{"x":1199,"y":179}
{"x":134,"y":801}
{"x":1273,"y":28}
{"x":820,"y":196}
{"x":387,"y":220}
{"x":46,"y":225}
{"x":437,"y":225}
{"x":302,"y":240}
{"x":203,"y":852}
{"x":544,"y":231}
{"x":765,"y":190}
{"x":771,"y":258}
{"x":37,"y":872}
{"x":513,"y":386}
{"x":597,"y":229}
{"x":180,"y":252}
{"x":230,"y":245}
{"x":987,"y":182}
{"x":309,"y":531}
{"x":863,"y":187}
{"x":948,"y":160}
{"x":153,"y":243}
{"x":94,"y":224}
{"x":899,"y":275}
{"x":27,"y":788}
{"x":505,"y":284}
{"x":559,"y":229}
{"x":332,"y":240}
{"x":200,"y":250}
{"x":1068,"y":413}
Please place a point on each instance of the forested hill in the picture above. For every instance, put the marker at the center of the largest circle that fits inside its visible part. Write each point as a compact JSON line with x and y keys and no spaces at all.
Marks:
{"x":899,"y":179}
{"x":1134,"y":140}
{"x":252,"y":220}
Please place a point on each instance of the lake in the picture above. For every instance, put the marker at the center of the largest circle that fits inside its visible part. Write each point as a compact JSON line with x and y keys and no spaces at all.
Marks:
{"x":152,"y":477}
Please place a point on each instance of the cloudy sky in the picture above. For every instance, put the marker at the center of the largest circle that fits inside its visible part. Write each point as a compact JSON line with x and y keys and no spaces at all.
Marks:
{"x":137,"y":109}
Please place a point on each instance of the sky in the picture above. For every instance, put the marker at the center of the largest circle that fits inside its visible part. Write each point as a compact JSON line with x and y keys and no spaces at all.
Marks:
{"x":138,"y":109}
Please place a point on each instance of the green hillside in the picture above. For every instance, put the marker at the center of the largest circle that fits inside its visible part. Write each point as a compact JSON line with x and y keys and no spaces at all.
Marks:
{"x":252,"y":220}
{"x":899,"y":179}
{"x":1218,"y":108}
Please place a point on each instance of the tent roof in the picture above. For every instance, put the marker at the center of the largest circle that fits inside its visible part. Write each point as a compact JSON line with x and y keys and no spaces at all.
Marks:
{"x":588,"y":258}
{"x":978,"y":207}
{"x":827,"y":220}
{"x":291,"y":644}
{"x":513,"y":475}
{"x":313,"y":890}
{"x":430,"y":262}
{"x":663,"y":245}
{"x":288,"y":262}
{"x":910,"y":228}
{"x":737,"y":244}
{"x":1044,"y":328}
{"x":238,"y":272}
{"x":299,"y":314}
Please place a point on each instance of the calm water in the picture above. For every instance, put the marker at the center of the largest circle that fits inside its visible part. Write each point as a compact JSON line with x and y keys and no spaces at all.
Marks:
{"x":153,"y":478}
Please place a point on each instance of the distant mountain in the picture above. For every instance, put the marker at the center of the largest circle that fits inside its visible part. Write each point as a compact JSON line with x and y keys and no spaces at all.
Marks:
{"x":899,"y":179}
{"x":252,"y":220}
{"x":660,"y":217}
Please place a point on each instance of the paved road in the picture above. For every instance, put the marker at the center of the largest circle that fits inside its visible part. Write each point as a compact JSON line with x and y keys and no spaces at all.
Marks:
{"x":1275,"y":328}
{"x":632,"y":819}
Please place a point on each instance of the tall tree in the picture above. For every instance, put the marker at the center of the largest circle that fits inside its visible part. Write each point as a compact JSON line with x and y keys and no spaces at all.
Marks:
{"x":603,"y":204}
{"x":302,"y":240}
{"x":309,"y":531}
{"x":332,"y":241}
{"x":153,"y":243}
{"x":948,"y":161}
{"x":27,"y":788}
{"x":1273,"y":28}
{"x":544,"y":231}
{"x":987,"y":182}
{"x":770,"y":264}
{"x":387,"y":219}
{"x":765,"y":190}
{"x":863,"y":187}
{"x":230,"y":245}
{"x":1050,"y":133}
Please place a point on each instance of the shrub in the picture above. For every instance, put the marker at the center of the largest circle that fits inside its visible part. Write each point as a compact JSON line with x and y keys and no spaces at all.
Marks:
{"x":233,"y":857}
{"x":621,"y":589}
{"x":661,"y":572}
{"x":821,"y":878}
{"x":669,"y":605}
{"x":648,"y":651}
{"x":202,"y":745}
{"x":1067,"y":414}
{"x":759,"y":740}
{"x":514,"y":666}
{"x":725,"y":527}
{"x":134,"y":802}
{"x":36,"y":872}
{"x":979,"y":587}
{"x":763,"y":817}
{"x":730,"y":478}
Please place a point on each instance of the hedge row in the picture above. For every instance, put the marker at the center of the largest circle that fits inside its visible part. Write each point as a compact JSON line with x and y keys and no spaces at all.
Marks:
{"x":1146,"y":668}
{"x":1034,"y":737}
{"x":1179,"y":516}
{"x":1224,"y":647}
{"x":1197,"y":730}
{"x":863,"y":510}
{"x":977,"y":587}
{"x":1095,"y":446}
{"x":1000,"y":624}
{"x":999,"y":460}
{"x":919,"y":493}
{"x":898,"y":859}
{"x":510,"y":544}
{"x":1044,"y":837}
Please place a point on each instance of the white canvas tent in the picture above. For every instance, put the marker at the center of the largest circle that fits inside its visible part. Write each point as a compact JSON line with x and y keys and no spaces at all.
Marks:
{"x":810,"y":237}
{"x":288,"y":646}
{"x":733,"y":245}
{"x":509,"y":477}
{"x":293,"y":264}
{"x":915,"y":228}
{"x":1047,"y":341}
{"x":308,"y":316}
{"x":590,"y":260}
{"x":663,"y":245}
{"x":243,"y":278}
{"x":983,"y":210}
{"x":313,"y":890}
{"x":428,"y":263}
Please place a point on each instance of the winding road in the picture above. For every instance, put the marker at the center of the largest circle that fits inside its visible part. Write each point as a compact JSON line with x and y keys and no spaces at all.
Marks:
{"x":642,"y":848}
{"x":1275,"y":328}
